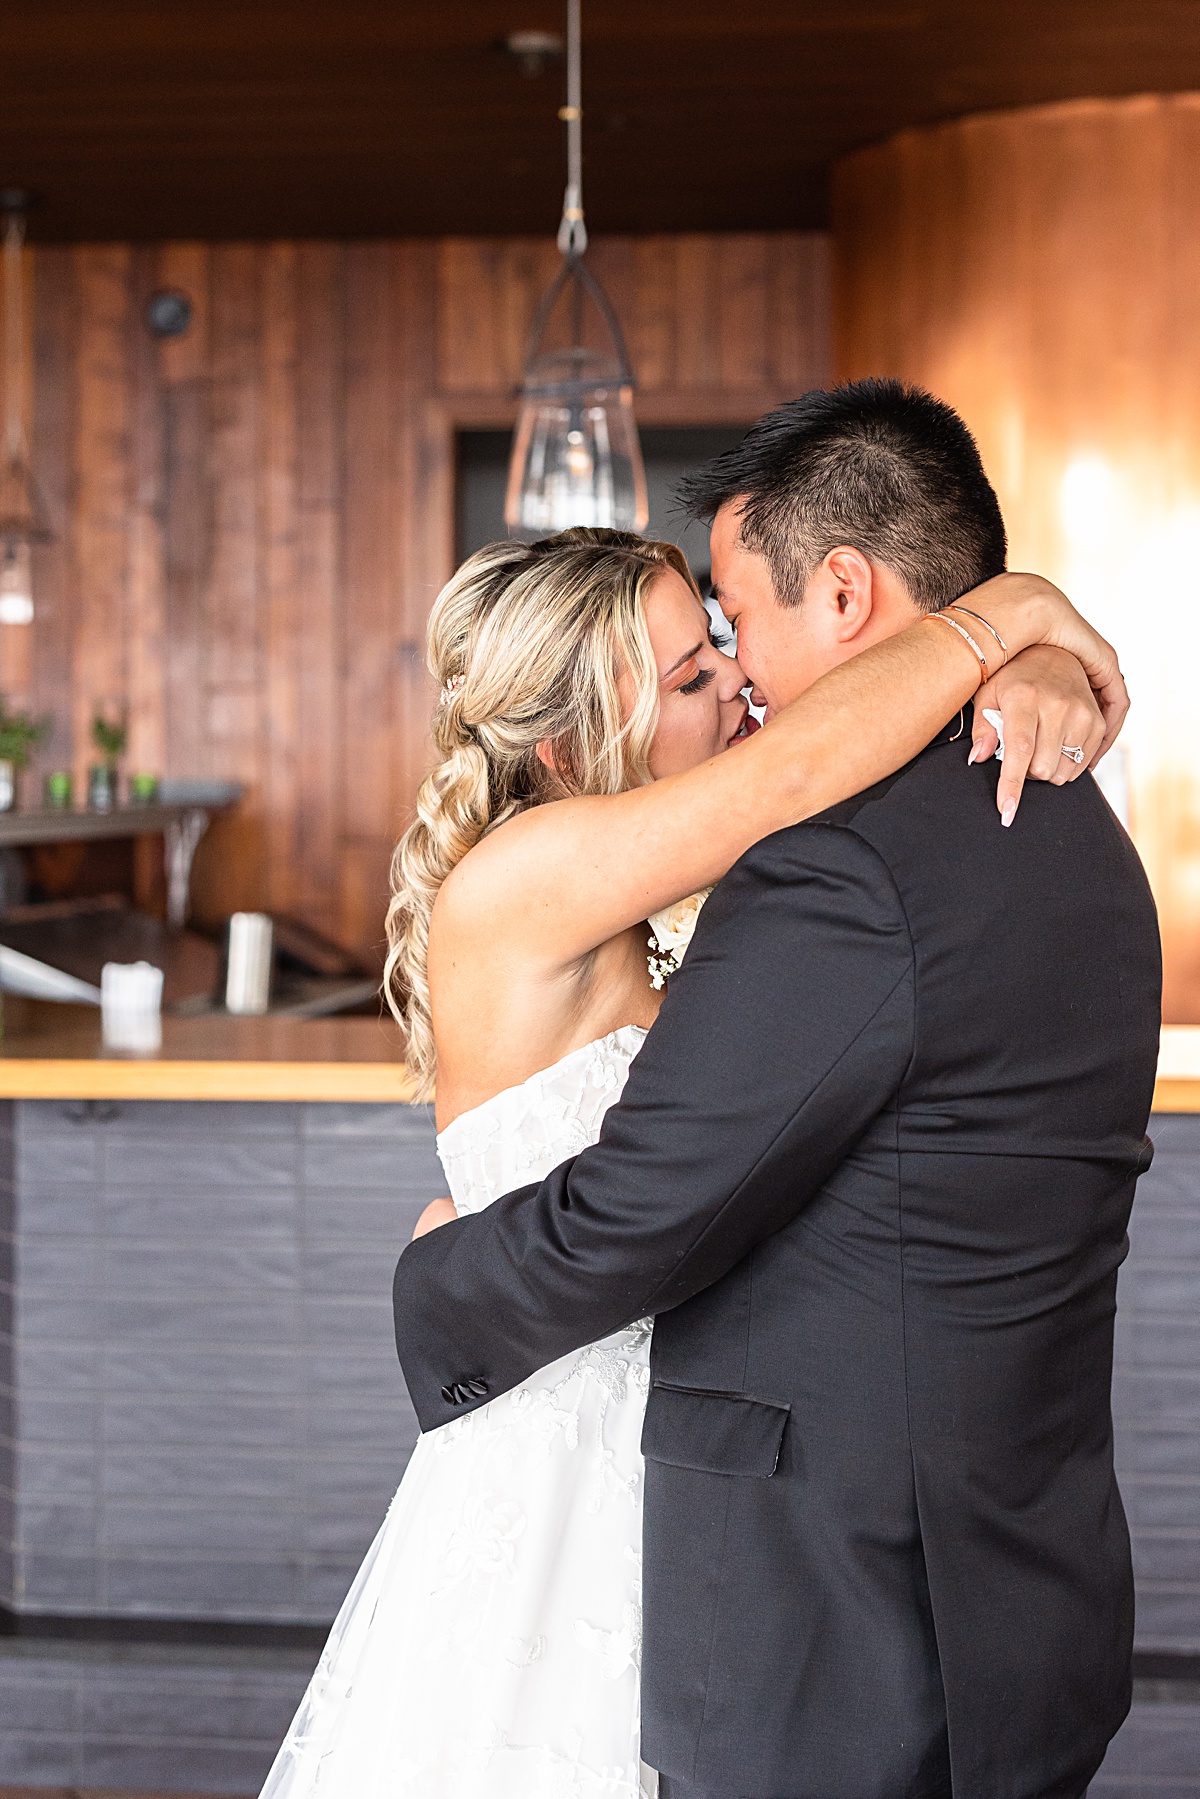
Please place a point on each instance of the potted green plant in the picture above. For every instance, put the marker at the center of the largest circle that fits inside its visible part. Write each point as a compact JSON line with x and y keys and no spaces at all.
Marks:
{"x":110,"y":737}
{"x":18,"y":735}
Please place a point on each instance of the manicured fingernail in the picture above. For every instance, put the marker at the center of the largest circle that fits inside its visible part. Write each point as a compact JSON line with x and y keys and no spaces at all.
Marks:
{"x":974,"y":754}
{"x":1008,"y":812}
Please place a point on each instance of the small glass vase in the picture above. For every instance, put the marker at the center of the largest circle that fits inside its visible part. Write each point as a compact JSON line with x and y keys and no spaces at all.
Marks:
{"x":8,"y":786}
{"x":102,"y":787}
{"x":58,"y":790}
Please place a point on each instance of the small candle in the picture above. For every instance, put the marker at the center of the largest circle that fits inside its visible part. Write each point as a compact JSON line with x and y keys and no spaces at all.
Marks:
{"x":131,"y":1007}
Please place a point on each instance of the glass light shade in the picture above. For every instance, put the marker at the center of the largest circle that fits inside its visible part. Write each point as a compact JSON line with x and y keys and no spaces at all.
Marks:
{"x":16,"y":583}
{"x":576,"y":458}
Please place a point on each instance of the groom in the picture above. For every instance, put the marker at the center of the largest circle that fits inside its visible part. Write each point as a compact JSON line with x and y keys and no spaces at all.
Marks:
{"x":871,"y":1173}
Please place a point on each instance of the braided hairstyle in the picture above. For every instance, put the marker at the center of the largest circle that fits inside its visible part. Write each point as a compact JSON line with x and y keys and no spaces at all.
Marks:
{"x":527,"y":642}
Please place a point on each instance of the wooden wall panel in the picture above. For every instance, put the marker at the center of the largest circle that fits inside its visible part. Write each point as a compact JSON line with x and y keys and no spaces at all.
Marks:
{"x":103,"y":489}
{"x":144,"y":690}
{"x":321,"y":376}
{"x":253,"y":519}
{"x":184,"y":398}
{"x":1039,"y":269}
{"x":52,"y":450}
{"x":422,"y":536}
{"x":281,"y":723}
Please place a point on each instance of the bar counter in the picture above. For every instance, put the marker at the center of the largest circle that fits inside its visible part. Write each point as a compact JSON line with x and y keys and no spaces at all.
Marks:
{"x":55,"y":1052}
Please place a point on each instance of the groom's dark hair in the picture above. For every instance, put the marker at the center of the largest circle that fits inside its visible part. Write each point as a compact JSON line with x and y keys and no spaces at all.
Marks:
{"x":878,"y":465}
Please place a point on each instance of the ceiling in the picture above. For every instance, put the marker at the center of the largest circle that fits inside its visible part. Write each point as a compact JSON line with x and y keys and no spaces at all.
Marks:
{"x":260,"y":118}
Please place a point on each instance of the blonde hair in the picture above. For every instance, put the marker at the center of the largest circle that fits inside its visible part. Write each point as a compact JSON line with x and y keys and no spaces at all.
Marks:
{"x":528,"y":642}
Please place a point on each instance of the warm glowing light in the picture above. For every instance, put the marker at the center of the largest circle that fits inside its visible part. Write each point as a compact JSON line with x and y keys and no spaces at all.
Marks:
{"x":1086,"y":497}
{"x":576,"y":459}
{"x":1125,"y":545}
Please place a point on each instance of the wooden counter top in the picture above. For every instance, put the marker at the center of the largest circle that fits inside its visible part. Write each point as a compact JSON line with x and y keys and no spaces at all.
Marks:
{"x":55,"y":1053}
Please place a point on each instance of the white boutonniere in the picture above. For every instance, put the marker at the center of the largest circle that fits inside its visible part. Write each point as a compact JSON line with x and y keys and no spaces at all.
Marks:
{"x":670,"y":933}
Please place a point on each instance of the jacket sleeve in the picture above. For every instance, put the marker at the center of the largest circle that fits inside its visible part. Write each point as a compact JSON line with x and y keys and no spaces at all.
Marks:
{"x":786,"y":1031}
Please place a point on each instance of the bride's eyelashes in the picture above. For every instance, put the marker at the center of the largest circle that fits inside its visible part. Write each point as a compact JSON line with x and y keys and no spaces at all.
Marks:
{"x":704,"y":679}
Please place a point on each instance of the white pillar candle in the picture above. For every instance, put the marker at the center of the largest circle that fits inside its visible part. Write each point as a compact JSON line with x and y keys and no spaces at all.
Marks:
{"x":248,"y":980}
{"x":131,"y":1007}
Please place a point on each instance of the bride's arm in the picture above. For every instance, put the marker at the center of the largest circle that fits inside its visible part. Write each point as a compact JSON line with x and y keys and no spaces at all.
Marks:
{"x":437,"y":1212}
{"x":567,"y":876}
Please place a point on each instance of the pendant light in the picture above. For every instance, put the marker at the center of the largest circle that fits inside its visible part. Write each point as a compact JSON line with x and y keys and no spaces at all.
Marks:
{"x":22,"y":515}
{"x":576,"y":458}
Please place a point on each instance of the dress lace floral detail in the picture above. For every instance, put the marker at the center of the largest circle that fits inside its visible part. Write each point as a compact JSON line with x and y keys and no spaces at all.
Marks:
{"x":490,"y":1647}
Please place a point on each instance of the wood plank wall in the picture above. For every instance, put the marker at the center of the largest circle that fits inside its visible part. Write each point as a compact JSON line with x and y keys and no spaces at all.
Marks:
{"x":252,"y":520}
{"x":1039,"y":269}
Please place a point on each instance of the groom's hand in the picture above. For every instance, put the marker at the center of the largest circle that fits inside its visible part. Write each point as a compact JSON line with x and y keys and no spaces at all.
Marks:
{"x":1047,"y":704}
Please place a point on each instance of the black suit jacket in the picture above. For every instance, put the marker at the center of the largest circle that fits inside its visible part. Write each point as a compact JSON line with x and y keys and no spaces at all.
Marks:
{"x":872,"y":1173}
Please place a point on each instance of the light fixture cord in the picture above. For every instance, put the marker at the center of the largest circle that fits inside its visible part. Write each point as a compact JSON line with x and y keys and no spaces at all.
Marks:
{"x":572,"y":232}
{"x":14,"y":336}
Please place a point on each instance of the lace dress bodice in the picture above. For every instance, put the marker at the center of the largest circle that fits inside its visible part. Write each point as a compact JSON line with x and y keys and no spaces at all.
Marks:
{"x":521,"y":1134}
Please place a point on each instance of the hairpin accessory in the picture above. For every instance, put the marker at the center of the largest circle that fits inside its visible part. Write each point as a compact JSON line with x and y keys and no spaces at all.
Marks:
{"x":451,"y":688}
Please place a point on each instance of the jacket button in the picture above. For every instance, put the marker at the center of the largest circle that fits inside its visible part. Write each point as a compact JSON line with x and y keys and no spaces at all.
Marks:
{"x":450,"y":1395}
{"x":478,"y":1388}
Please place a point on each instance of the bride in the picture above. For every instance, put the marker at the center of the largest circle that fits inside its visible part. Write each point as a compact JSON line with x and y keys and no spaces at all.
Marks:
{"x":489,"y":1647}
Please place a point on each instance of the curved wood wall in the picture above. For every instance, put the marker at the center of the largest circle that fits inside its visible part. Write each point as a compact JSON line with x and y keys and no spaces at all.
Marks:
{"x":1040,"y":270}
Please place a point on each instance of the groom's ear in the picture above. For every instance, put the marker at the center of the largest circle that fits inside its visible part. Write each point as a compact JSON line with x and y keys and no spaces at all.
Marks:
{"x":846,"y":582}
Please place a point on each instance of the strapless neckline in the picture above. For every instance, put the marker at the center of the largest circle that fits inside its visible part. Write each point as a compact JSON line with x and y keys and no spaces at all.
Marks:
{"x":520,"y":1134}
{"x":627,"y":1037}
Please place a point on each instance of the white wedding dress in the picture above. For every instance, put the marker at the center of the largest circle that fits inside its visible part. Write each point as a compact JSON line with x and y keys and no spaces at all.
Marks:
{"x":489,"y":1647}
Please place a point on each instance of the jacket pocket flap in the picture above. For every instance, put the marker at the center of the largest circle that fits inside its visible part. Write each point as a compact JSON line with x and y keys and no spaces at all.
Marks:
{"x":713,"y":1432}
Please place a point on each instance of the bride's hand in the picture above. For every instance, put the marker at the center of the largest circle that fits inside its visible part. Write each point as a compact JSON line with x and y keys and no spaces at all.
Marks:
{"x":1037,"y":612}
{"x":438,"y":1211}
{"x":1044,"y":700}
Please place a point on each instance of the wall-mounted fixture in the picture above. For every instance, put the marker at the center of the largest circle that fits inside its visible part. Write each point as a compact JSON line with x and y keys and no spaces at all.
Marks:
{"x":576,"y":459}
{"x":168,"y":312}
{"x":534,"y":51}
{"x":22,"y":514}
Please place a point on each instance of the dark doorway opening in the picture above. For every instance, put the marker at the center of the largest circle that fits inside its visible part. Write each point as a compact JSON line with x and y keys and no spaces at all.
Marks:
{"x":669,"y":452}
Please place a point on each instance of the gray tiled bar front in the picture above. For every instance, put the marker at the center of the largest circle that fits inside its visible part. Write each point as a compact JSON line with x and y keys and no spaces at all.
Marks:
{"x":1156,"y":1396}
{"x":1155,"y":1754}
{"x":191,"y":1720}
{"x":201,"y":1416}
{"x":171,"y":1720}
{"x":205,"y":1414}
{"x":202,"y":1359}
